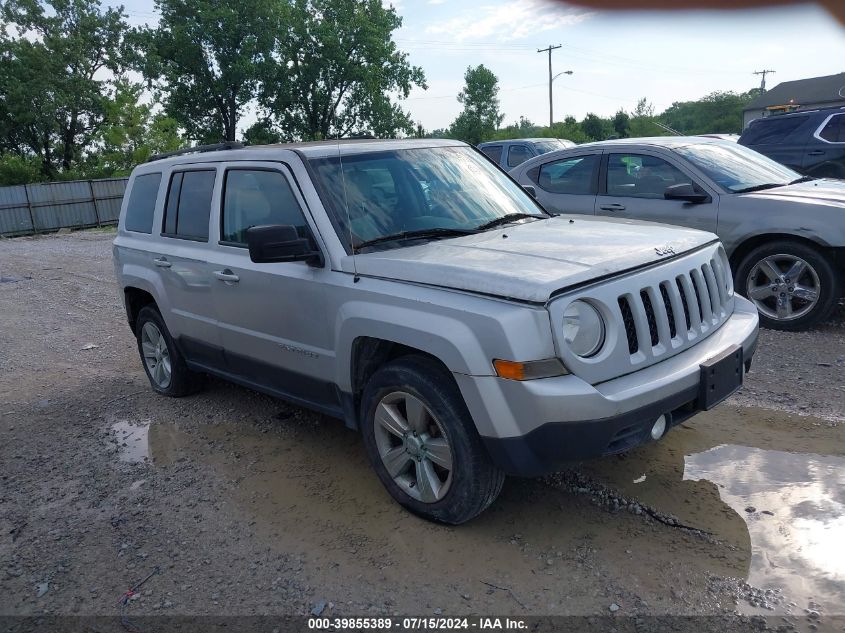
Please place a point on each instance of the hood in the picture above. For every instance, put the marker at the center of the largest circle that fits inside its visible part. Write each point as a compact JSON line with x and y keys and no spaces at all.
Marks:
{"x":531,"y":261}
{"x":825,"y":192}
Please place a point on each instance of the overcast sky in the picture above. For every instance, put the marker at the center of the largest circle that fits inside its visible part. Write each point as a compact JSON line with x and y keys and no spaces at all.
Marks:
{"x":616,"y":57}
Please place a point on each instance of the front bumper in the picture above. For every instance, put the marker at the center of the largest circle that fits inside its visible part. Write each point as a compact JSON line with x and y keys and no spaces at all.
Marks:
{"x":533,"y":427}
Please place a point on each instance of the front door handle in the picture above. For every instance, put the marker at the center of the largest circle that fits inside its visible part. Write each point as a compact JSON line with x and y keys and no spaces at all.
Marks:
{"x":816,"y":152}
{"x":162,"y":262}
{"x":613,"y":207}
{"x":226,"y":275}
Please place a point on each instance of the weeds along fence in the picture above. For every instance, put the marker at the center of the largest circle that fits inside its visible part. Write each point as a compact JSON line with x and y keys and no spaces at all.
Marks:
{"x":50,"y":206}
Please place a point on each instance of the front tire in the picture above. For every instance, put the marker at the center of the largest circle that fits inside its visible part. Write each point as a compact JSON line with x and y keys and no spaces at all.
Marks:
{"x":163,"y":363}
{"x":793,"y":285}
{"x":423,"y":444}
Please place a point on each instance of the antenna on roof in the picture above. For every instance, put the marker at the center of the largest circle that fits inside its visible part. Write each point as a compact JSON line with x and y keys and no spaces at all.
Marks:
{"x":355,"y":277}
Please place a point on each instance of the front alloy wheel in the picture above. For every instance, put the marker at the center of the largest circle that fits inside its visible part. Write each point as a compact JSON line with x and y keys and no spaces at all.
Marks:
{"x":423,"y":444}
{"x":783,"y":287}
{"x":413,"y":447}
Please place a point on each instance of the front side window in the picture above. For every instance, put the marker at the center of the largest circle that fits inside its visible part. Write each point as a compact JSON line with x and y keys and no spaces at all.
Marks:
{"x":518,"y":154}
{"x":142,"y":203}
{"x":834,"y":129}
{"x":189,"y":205}
{"x":641,"y":176}
{"x":254,"y":198}
{"x":737,"y":168}
{"x":494,"y":152}
{"x":570,"y":175}
{"x":381,"y":194}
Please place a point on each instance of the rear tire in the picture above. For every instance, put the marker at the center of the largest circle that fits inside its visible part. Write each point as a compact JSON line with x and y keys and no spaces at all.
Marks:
{"x":416,"y":423}
{"x":163,"y":363}
{"x":793,"y":285}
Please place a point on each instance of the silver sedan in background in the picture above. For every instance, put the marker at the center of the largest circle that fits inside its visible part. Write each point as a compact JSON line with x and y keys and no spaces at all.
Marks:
{"x":784,"y":233}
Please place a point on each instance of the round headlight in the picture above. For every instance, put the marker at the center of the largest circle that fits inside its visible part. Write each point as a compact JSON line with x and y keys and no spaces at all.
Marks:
{"x":583,"y":328}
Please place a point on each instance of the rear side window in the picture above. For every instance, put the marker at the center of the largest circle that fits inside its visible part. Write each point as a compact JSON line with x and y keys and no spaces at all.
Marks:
{"x":189,"y":205}
{"x":575,"y":175}
{"x":255,"y":198}
{"x":834,"y":129}
{"x":518,"y":154}
{"x":142,"y":203}
{"x":494,"y":153}
{"x":772,"y":130}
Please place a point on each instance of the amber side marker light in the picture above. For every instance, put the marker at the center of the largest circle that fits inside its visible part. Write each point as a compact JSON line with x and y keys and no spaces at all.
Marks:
{"x":531,"y":370}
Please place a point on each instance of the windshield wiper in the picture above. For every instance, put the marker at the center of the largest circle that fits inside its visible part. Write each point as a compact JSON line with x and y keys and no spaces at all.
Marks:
{"x":803,"y":179}
{"x":507,"y":219}
{"x":766,"y":185}
{"x":417,"y":234}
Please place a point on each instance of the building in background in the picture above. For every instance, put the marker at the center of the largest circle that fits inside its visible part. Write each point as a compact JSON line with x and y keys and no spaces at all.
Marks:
{"x":802,"y":94}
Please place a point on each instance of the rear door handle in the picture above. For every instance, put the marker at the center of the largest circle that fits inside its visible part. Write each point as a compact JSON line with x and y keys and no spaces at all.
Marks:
{"x":613,"y":207}
{"x":226,"y":275}
{"x":816,"y":152}
{"x":162,"y":262}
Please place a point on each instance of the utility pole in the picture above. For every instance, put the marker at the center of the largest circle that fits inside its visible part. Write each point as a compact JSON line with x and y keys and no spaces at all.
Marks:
{"x":551,"y":107}
{"x":763,"y":81}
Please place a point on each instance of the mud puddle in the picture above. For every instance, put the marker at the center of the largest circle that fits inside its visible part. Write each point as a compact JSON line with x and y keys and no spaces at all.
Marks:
{"x":132,"y":440}
{"x":793,"y":505}
{"x":770,"y":486}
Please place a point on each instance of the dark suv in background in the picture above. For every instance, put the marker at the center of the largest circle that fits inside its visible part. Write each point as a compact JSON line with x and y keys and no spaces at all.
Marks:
{"x":508,"y":154}
{"x":811,"y":142}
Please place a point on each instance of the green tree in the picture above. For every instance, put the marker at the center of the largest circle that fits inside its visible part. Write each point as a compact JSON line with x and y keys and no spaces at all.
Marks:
{"x":206,"y":58}
{"x":621,"y":123}
{"x":262,"y":132}
{"x":334,"y":68}
{"x":131,"y":133}
{"x":53,"y":58}
{"x":480,"y":117}
{"x":19,"y":170}
{"x":642,"y":121}
{"x":523,"y":128}
{"x":595,"y":127}
{"x":718,"y":112}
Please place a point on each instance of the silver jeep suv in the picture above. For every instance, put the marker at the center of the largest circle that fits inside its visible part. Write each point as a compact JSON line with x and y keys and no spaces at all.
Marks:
{"x":413,"y":290}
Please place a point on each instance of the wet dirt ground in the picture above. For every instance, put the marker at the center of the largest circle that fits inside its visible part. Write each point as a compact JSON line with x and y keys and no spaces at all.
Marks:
{"x":248,"y":505}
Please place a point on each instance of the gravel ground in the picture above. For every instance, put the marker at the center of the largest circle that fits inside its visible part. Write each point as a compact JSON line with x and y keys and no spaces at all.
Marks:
{"x":249,"y":506}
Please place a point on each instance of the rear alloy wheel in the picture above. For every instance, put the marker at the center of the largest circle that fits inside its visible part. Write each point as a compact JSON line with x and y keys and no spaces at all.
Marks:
{"x":793,"y":286}
{"x":168,"y":373}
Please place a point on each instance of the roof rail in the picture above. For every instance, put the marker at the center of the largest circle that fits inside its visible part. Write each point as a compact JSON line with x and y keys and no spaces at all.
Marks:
{"x":198,"y":149}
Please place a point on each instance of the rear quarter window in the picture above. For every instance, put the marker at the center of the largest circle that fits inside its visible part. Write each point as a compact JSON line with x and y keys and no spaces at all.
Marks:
{"x":189,"y":204}
{"x":142,"y":203}
{"x":771,"y":130}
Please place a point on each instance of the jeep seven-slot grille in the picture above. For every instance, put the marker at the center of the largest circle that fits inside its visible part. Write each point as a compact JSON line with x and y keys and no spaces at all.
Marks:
{"x":650,"y":316}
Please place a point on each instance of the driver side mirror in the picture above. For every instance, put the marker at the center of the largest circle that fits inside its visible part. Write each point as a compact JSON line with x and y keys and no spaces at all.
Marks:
{"x":531,"y":190}
{"x":280,"y":243}
{"x":686,"y":192}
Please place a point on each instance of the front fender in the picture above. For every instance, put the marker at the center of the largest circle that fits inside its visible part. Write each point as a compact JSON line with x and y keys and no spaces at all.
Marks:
{"x":450,"y":340}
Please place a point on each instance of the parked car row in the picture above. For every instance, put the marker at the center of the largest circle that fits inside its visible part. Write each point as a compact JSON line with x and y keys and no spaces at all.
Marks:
{"x":784,"y":233}
{"x":509,"y":154}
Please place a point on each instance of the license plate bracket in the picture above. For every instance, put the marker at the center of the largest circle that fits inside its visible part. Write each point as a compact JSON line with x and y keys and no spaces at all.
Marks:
{"x":721,"y":376}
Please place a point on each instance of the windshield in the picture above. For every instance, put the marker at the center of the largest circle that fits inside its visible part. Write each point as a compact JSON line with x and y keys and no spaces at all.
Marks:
{"x":737,"y":168}
{"x":548,"y":146}
{"x":414,"y":190}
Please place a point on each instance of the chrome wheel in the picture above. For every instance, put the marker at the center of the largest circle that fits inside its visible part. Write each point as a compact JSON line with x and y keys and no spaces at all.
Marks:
{"x":156,"y":355}
{"x":413,"y":447}
{"x":783,"y":287}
